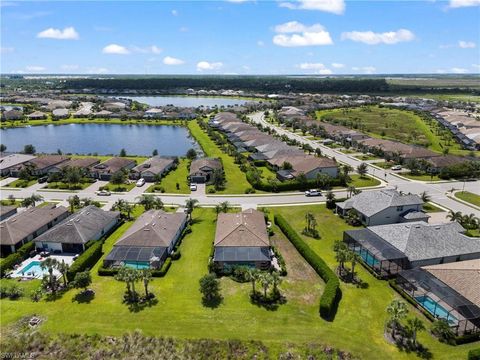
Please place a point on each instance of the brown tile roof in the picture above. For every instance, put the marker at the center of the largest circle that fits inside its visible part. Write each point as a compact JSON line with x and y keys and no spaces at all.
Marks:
{"x":447,"y":160}
{"x":198,"y":164}
{"x":15,"y":229}
{"x":462,"y":276}
{"x":155,"y":165}
{"x":114,"y":164}
{"x":246,"y":228}
{"x":45,"y":161}
{"x":153,"y":228}
{"x":407,"y":151}
{"x":80,"y":163}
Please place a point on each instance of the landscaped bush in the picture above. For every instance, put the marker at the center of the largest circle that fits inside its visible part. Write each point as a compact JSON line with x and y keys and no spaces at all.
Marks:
{"x":12,"y":291}
{"x":103,"y":271}
{"x":474,"y":354}
{"x":281,"y":261}
{"x":86,"y":260}
{"x":176,"y":255}
{"x":331,"y":295}
{"x":16,"y":258}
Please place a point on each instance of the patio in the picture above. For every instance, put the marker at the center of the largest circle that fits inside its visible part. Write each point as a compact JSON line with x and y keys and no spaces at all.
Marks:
{"x":30,"y":268}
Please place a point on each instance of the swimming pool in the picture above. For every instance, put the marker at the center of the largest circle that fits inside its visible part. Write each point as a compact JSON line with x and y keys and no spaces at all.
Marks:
{"x":367,"y":258}
{"x":137,"y":264}
{"x":32,"y":269}
{"x":435,"y":309}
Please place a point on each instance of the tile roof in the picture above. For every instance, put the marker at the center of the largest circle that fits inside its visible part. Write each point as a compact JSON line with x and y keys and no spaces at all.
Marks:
{"x":244,"y":229}
{"x":13,"y":160}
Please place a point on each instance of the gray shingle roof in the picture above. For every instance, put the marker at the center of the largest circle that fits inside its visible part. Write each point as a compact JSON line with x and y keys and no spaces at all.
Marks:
{"x":244,"y":229}
{"x":81,"y":227}
{"x":372,"y":202}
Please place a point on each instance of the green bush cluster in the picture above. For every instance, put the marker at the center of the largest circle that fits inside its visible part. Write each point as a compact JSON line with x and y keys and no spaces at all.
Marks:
{"x":281,"y":261}
{"x":103,"y":271}
{"x":332,"y":293}
{"x":474,"y":354}
{"x":16,"y":258}
{"x":290,"y":185}
{"x":86,"y":260}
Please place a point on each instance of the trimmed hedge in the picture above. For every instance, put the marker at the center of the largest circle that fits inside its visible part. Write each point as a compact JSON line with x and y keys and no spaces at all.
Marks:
{"x":332,"y":293}
{"x":16,"y":258}
{"x":291,"y":185}
{"x":86,"y":260}
{"x":474,"y":354}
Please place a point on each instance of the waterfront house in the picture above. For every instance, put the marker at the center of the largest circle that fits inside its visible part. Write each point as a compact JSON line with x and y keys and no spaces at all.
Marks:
{"x":201,"y":170}
{"x":153,"y":168}
{"x":37,"y":115}
{"x":84,"y":164}
{"x":40,"y":165}
{"x":106,"y":169}
{"x":12,"y":161}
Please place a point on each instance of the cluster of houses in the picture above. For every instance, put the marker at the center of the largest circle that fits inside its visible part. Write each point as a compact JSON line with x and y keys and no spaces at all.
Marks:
{"x":427,"y":260}
{"x":464,"y":126}
{"x":276,"y":153}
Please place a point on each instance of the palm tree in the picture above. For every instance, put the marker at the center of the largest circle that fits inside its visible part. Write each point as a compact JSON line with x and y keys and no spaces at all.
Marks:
{"x":362,"y":169}
{"x":469,"y":221}
{"x":397,"y":311}
{"x":276,"y":280}
{"x":253,"y":275}
{"x":346,"y":169}
{"x":454,"y":216}
{"x":354,"y":258}
{"x":122,"y":275}
{"x":225,"y":206}
{"x":50,"y":264}
{"x":415,"y":325}
{"x":351,"y":189}
{"x":146,"y":276}
{"x":425,"y":197}
{"x":124,"y":207}
{"x":309,"y":218}
{"x":265,"y":280}
{"x":341,"y":256}
{"x":63,"y":269}
{"x":31,"y":200}
{"x":147,"y":200}
{"x":190,"y":205}
{"x":73,"y":201}
{"x":442,"y":330}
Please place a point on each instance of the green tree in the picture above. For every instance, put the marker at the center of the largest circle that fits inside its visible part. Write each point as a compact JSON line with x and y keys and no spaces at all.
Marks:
{"x":191,"y":154}
{"x":123,"y":153}
{"x":82,"y":280}
{"x":72,"y":175}
{"x":51,"y":280}
{"x":31,"y":200}
{"x":124,"y":207}
{"x":425,"y":196}
{"x":29,"y":149}
{"x":210,"y":288}
{"x":287,"y":166}
{"x":362,"y":169}
{"x":415,"y":325}
{"x":146,"y":277}
{"x":253,"y":276}
{"x":147,"y":200}
{"x":155,"y":152}
{"x":3,"y":147}
{"x":218,"y":179}
{"x":266,"y":281}
{"x":441,"y":329}
{"x":397,"y":310}
{"x":129,"y":277}
{"x":190,"y":205}
{"x":224,"y":206}
{"x":118,"y":178}
{"x":63,"y":268}
{"x":74,"y":202}
{"x":330,"y":196}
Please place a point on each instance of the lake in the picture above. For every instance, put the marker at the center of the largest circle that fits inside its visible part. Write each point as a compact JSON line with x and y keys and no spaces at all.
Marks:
{"x":103,"y":139}
{"x":188,"y":101}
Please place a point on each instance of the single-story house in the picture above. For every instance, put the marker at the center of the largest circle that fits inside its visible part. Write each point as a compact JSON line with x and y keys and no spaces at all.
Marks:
{"x":447,"y":291}
{"x":41,"y":165}
{"x":60,"y":113}
{"x":84,"y":164}
{"x":437,"y":163}
{"x":6,"y":211}
{"x":153,"y":168}
{"x":242,"y":239}
{"x":27,"y":225}
{"x":103,"y":114}
{"x":37,"y":115}
{"x":201,"y":170}
{"x":389,"y":249}
{"x":106,"y":169}
{"x":12,"y":114}
{"x":71,"y":235}
{"x":379,"y":207}
{"x":11,"y":161}
{"x":308,"y":165}
{"x":148,"y":242}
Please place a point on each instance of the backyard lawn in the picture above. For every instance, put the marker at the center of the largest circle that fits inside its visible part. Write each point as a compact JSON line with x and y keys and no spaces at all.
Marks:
{"x":236,"y":180}
{"x":357,"y":327}
{"x":169,"y":182}
{"x":468,"y":197}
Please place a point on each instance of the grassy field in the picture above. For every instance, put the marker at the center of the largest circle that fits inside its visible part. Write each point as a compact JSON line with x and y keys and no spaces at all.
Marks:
{"x":236,"y":181}
{"x":365,"y":181}
{"x":179,"y":175}
{"x":118,"y":188}
{"x":423,"y":177}
{"x":392,"y":124}
{"x":19,"y":181}
{"x":430,"y":208}
{"x":468,"y":197}
{"x":60,"y":184}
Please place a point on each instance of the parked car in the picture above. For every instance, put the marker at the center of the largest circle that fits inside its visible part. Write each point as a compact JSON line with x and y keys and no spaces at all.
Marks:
{"x":396,"y":168}
{"x":141,"y":182}
{"x":193,"y":187}
{"x":313,"y":192}
{"x":43,"y":179}
{"x":104,"y":193}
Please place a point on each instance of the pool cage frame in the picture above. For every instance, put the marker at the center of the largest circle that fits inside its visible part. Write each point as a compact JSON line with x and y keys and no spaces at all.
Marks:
{"x":419,"y":282}
{"x":154,"y":256}
{"x":370,"y":246}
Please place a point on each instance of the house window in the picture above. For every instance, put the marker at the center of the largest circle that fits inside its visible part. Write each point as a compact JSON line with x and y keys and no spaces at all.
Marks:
{"x":399,"y":208}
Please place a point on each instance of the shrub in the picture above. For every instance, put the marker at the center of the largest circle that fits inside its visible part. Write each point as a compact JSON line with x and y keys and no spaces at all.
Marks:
{"x":331,"y":295}
{"x":474,"y":354}
{"x":281,"y":261}
{"x":176,"y":255}
{"x":86,"y":260}
{"x":16,"y":258}
{"x":211,"y":191}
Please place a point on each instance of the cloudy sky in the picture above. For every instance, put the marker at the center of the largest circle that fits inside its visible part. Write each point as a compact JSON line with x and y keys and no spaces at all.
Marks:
{"x":241,"y":37}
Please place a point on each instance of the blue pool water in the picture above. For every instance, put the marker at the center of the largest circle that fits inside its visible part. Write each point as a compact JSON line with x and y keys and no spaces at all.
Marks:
{"x":436,"y":310}
{"x":369,"y":259}
{"x":137,"y":265}
{"x":33,"y":269}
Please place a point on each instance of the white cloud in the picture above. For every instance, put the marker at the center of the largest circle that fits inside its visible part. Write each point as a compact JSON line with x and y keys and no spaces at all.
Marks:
{"x":205,"y":65}
{"x":331,"y":6}
{"x":466,"y":44}
{"x":246,"y":67}
{"x":237,"y":1}
{"x":174,"y":12}
{"x":476,"y":66}
{"x":69,"y":67}
{"x":463,"y":3}
{"x":301,"y":35}
{"x":318,"y":68}
{"x":35,"y":68}
{"x":338,"y":65}
{"x":372,"y":38}
{"x":6,"y":50}
{"x":115,"y":49}
{"x":168,"y":60}
{"x":457,"y":70}
{"x":260,"y":43}
{"x":69,"y":33}
{"x":97,"y":70}
{"x":364,"y":69}
{"x":153,"y":49}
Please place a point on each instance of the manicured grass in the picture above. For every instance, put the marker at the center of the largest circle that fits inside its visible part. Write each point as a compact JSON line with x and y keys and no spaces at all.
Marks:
{"x":119,"y":188}
{"x":430,"y":208}
{"x":367,"y":157}
{"x":24,"y":183}
{"x":358,"y":181}
{"x":357,"y":328}
{"x":179,"y":175}
{"x":468,"y":197}
{"x":424,"y":177}
{"x":236,"y":180}
{"x":266,"y":172}
{"x":62,"y":185}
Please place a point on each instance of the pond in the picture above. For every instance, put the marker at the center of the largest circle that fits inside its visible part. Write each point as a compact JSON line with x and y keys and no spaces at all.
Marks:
{"x":188,"y":101}
{"x":103,"y":139}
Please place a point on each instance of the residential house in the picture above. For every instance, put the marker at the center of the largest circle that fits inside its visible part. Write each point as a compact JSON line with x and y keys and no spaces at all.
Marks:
{"x":106,"y":169}
{"x":148,"y":242}
{"x":308,"y":165}
{"x":7,"y":211}
{"x":242,"y":239}
{"x":60,"y":113}
{"x":27,"y":225}
{"x":40,"y":165}
{"x":153,"y":168}
{"x":12,"y":114}
{"x":389,"y":249}
{"x":201,"y":170}
{"x":37,"y":115}
{"x":84,"y":164}
{"x":103,"y":114}
{"x":381,"y":207}
{"x":71,"y":235}
{"x":437,"y":163}
{"x":11,"y":161}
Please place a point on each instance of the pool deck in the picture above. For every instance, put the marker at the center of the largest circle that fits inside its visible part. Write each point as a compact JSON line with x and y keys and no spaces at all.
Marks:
{"x":68,"y":258}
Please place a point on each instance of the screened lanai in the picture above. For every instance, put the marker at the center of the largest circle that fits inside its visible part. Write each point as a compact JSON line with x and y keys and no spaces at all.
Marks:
{"x":136,"y":257}
{"x":375,"y":252}
{"x":440,"y":300}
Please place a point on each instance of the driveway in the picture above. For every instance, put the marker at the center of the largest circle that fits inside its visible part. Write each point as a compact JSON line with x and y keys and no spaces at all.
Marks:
{"x":7,"y":181}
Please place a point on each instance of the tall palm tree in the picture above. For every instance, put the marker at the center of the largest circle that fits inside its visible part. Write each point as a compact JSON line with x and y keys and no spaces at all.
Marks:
{"x":415,"y":325}
{"x":190,"y":205}
{"x":225,"y":206}
{"x":351,"y":189}
{"x":454,"y":215}
{"x":147,"y":200}
{"x":265,"y":280}
{"x":63,"y":269}
{"x":146,"y":276}
{"x":253,"y":275}
{"x":397,"y":311}
{"x":425,"y":196}
{"x":73,"y":201}
{"x":276,"y":280}
{"x":50,"y":264}
{"x":124,"y":207}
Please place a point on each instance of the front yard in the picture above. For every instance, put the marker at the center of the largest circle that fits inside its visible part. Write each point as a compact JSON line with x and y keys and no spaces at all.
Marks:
{"x":19,"y":183}
{"x":174,"y":177}
{"x":119,"y":187}
{"x":468,"y":197}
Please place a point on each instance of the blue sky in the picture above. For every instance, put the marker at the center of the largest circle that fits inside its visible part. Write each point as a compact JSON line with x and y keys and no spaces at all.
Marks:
{"x":241,"y":37}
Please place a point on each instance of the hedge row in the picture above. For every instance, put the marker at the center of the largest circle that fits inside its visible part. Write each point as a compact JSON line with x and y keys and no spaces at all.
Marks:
{"x":474,"y":354}
{"x":16,"y":258}
{"x":86,"y":260}
{"x":102,"y":271}
{"x":332,"y":293}
{"x":289,"y":185}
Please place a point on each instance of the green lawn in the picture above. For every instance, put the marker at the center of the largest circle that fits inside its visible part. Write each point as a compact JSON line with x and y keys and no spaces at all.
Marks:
{"x":236,"y":181}
{"x":468,"y":197}
{"x":358,"y":181}
{"x":61,"y":185}
{"x":424,"y":177}
{"x":119,"y":188}
{"x":179,"y":175}
{"x":430,"y":208}
{"x":266,"y":172}
{"x":21,"y":183}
